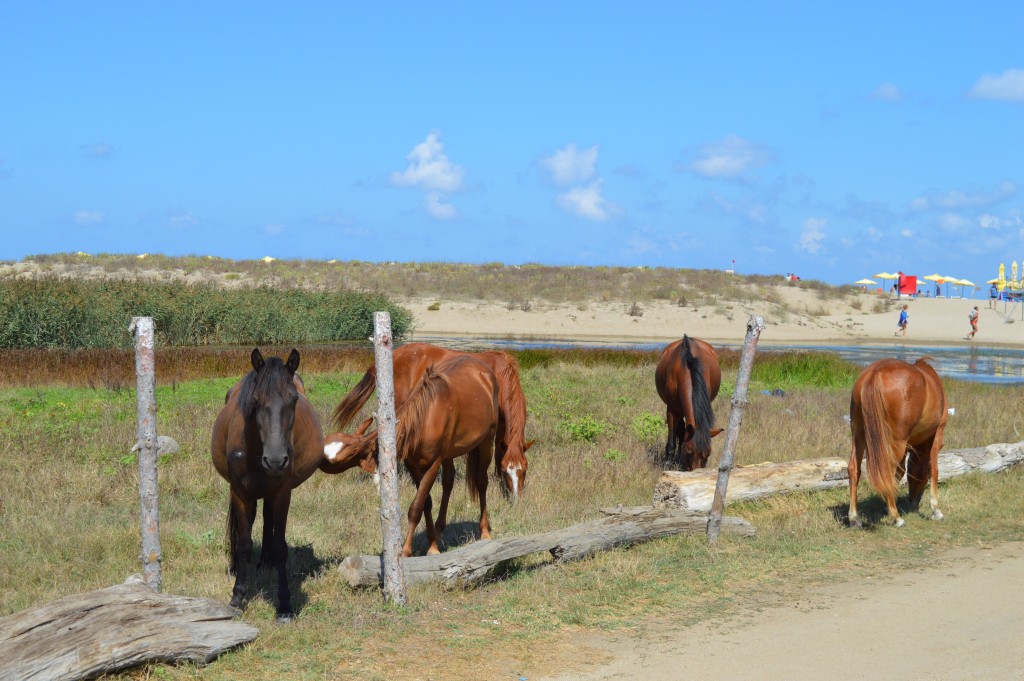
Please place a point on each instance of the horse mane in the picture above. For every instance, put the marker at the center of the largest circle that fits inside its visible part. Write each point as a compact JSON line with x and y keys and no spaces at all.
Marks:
{"x":700,"y":399}
{"x":878,"y":438}
{"x":414,"y":414}
{"x":356,"y":398}
{"x":513,"y":403}
{"x":257,"y":387}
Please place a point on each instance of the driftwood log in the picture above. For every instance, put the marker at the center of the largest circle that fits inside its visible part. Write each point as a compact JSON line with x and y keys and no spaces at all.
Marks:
{"x":112,"y":629}
{"x":694,"y":491}
{"x":467,"y":564}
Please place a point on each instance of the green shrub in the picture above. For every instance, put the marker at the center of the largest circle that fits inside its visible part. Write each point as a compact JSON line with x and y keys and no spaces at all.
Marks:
{"x":584,"y":428}
{"x":648,"y":426}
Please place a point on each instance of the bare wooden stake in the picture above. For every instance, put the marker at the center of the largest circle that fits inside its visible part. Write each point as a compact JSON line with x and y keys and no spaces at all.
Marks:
{"x":387,"y":460}
{"x":755,"y":325}
{"x":146,"y":446}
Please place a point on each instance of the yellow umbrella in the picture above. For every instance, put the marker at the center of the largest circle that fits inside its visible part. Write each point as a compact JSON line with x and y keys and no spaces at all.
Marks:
{"x":1002,"y":276}
{"x":992,"y":281}
{"x":886,"y":275}
{"x":1013,"y":270}
{"x":866,"y":282}
{"x":934,"y":277}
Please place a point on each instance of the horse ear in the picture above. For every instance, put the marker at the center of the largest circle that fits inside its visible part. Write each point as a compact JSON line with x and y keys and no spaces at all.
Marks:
{"x":528,"y":445}
{"x":363,"y":426}
{"x":257,"y":359}
{"x":715,"y":431}
{"x":293,"y":361}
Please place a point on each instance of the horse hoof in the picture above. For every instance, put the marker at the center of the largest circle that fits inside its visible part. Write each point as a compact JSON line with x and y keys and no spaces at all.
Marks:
{"x":900,"y":522}
{"x":857,"y":524}
{"x":433,"y":551}
{"x":237,"y":602}
{"x":285,"y":617}
{"x":937,"y":515}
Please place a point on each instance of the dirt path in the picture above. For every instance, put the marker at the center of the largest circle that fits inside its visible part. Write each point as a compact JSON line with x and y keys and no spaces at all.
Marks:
{"x":959,"y":621}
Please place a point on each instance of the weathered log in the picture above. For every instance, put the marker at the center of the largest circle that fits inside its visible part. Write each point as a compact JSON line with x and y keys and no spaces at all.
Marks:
{"x":468,"y":564}
{"x":694,"y":490}
{"x":112,"y":629}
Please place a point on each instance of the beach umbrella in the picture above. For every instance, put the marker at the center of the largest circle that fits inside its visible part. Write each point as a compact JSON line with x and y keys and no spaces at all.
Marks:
{"x":949,"y":280}
{"x":937,"y":278}
{"x":866,"y":282}
{"x":1002,"y":276}
{"x":886,"y":275}
{"x":1013,"y":276}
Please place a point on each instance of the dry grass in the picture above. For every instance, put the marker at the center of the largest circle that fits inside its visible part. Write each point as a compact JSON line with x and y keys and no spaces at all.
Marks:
{"x":69,"y":519}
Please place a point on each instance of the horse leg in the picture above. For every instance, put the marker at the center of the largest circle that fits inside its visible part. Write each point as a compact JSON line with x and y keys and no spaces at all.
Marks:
{"x":447,"y":483}
{"x":241,"y":512}
{"x":279,"y":549}
{"x":484,"y":451}
{"x":266,"y":553}
{"x":420,"y":502}
{"x":900,"y":450}
{"x":670,"y":443}
{"x":917,"y":475}
{"x":854,"y":472}
{"x":933,"y":460}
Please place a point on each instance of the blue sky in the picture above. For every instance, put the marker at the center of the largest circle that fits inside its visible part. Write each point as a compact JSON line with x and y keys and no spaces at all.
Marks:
{"x":833,"y":140}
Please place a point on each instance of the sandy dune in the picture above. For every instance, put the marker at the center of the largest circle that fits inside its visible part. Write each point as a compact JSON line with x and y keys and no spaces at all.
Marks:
{"x":797,"y":319}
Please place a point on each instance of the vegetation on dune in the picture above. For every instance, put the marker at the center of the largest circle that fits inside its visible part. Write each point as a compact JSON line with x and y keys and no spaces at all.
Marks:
{"x":514,"y":284}
{"x":75,"y":313}
{"x":69,"y":513}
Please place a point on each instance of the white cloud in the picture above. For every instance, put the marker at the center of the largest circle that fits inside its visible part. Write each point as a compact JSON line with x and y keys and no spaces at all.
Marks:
{"x":274,"y":228}
{"x":570,"y":165}
{"x":1007,"y":87}
{"x":989,"y":221}
{"x":430,"y":168}
{"x":586,"y":202}
{"x":182,"y":220}
{"x":887,"y":92}
{"x":89,"y":217}
{"x":907,"y":233}
{"x":813,"y":235}
{"x":874,"y":234}
{"x":435,"y":204}
{"x":955,"y":198}
{"x":729,"y":157}
{"x":953,"y":222}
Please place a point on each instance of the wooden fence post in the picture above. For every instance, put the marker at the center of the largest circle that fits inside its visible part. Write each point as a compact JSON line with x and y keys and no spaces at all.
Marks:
{"x":387,"y":461}
{"x":755,"y":325}
{"x":146,"y":446}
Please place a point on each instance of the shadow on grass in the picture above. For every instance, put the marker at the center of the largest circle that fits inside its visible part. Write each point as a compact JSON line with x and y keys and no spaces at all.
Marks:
{"x":872,"y":511}
{"x":303,"y":563}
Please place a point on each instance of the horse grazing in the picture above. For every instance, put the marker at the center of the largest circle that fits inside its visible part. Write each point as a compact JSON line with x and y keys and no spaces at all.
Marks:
{"x":898,"y":418}
{"x":453,"y":411}
{"x":266,"y":440}
{"x":411,"y":362}
{"x":687,"y":378}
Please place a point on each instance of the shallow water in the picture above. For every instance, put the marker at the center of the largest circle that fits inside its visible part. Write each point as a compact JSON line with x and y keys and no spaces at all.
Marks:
{"x":975,"y":363}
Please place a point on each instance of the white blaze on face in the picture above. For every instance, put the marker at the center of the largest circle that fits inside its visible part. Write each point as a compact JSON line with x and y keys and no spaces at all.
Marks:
{"x":512,"y":471}
{"x":332,"y":449}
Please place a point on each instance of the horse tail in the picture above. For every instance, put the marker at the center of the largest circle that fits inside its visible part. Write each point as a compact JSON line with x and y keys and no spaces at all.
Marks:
{"x":356,"y":398}
{"x":472,"y":467}
{"x":703,"y":415}
{"x":879,"y":439}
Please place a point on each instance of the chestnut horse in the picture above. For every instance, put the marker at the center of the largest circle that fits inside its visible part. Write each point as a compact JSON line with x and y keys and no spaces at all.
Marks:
{"x":453,"y":411}
{"x":687,"y":379}
{"x":898,"y":418}
{"x":410,"y":364}
{"x":266,"y":441}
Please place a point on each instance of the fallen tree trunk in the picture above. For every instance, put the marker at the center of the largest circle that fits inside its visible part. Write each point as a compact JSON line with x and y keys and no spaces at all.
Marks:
{"x":695,"y":490}
{"x":471,"y":563}
{"x":112,"y":629}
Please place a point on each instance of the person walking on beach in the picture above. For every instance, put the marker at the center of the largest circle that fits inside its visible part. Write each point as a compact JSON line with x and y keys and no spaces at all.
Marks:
{"x":902,"y":323}
{"x":993,"y":296}
{"x":972,"y":317}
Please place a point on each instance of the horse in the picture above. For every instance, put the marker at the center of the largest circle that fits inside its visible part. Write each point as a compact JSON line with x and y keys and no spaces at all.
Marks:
{"x":898,"y":418}
{"x":453,"y":411}
{"x":266,"y":441}
{"x":687,"y":379}
{"x":410,"y":363}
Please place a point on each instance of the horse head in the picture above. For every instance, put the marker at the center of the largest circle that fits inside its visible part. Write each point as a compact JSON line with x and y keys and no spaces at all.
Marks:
{"x":513,"y":470}
{"x":267,"y":397}
{"x":694,"y":457}
{"x":343,"y":451}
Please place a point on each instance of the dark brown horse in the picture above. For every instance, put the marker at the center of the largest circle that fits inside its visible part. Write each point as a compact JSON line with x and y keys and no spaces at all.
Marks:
{"x":452,"y":412}
{"x":898,"y":418}
{"x":687,"y":379}
{"x":266,"y":441}
{"x":411,"y":362}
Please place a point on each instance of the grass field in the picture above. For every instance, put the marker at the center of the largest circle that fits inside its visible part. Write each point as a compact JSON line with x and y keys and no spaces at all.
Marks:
{"x":69,"y":511}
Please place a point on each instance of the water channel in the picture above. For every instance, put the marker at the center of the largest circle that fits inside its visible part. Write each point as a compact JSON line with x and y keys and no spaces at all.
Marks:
{"x":976,"y":363}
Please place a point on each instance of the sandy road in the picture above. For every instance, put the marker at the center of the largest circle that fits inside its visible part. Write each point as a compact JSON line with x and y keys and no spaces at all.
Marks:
{"x":962,"y":620}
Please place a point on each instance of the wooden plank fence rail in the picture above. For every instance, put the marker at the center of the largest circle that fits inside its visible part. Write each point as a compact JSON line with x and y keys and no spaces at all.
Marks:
{"x":472,"y":563}
{"x":695,"y":490}
{"x":111,"y":629}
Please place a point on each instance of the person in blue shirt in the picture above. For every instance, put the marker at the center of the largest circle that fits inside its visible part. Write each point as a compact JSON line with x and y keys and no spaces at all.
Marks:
{"x":904,"y":319}
{"x":993,"y":296}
